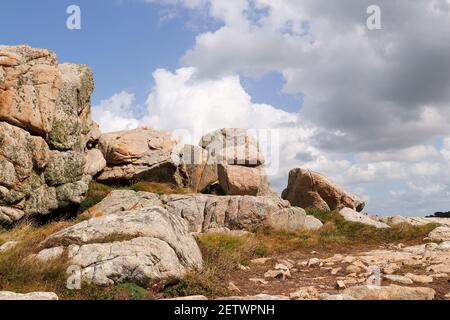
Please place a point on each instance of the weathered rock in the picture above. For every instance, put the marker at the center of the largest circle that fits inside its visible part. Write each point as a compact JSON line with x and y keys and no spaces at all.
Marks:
{"x":392,"y":292}
{"x":277,"y":274}
{"x":233,"y":147}
{"x":398,"y":279}
{"x":7,"y":174}
{"x":199,"y":171}
{"x":45,"y":126}
{"x":307,"y":189}
{"x":6,"y":295}
{"x":140,"y":154}
{"x":50,"y":254}
{"x":354,"y":216}
{"x":240,"y":181}
{"x":441,"y":233}
{"x":419,"y":278}
{"x":340,"y":285}
{"x":306,"y":293}
{"x":24,"y":151}
{"x":74,"y":96}
{"x":10,"y":215}
{"x":95,"y":162}
{"x":125,"y":200}
{"x":156,"y":246}
{"x":64,"y":167}
{"x":29,"y":88}
{"x":239,"y":163}
{"x":205,"y":212}
{"x":8,"y":245}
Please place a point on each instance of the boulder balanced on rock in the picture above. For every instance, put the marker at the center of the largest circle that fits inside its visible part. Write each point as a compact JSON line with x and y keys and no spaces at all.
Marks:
{"x":239,"y":162}
{"x":45,"y":131}
{"x":307,"y":189}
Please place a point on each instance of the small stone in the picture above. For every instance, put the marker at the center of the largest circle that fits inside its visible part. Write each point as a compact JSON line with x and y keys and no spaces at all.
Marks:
{"x":353,"y":269}
{"x":340,"y":285}
{"x":306,"y":293}
{"x":419,"y":278}
{"x":313,"y":263}
{"x":391,"y":268}
{"x":335,"y":271}
{"x":243,"y":268}
{"x":258,"y":280}
{"x":277,"y":274}
{"x":397,"y":278}
{"x":280,"y":266}
{"x":233,"y":287}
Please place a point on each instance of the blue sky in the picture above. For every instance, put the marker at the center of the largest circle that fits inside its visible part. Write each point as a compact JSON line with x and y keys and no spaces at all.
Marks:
{"x":122,"y":41}
{"x":370,"y":109}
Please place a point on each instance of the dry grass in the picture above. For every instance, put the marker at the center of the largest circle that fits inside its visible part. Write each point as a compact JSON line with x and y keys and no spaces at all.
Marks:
{"x":159,"y":188}
{"x":222,"y":253}
{"x":19,"y":272}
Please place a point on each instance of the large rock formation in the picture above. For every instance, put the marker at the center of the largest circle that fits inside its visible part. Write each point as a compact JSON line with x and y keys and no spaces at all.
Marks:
{"x":206,"y":213}
{"x":150,"y":155}
{"x":140,"y":246}
{"x":307,"y":189}
{"x":45,"y":131}
{"x":239,"y":163}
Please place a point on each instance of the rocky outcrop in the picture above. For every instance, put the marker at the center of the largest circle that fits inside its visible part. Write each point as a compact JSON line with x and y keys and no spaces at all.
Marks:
{"x":307,"y":189}
{"x":354,"y":216}
{"x":7,"y":295}
{"x":208,"y":212}
{"x":441,"y":233}
{"x":392,"y":292}
{"x":239,"y":162}
{"x":141,"y":246}
{"x":150,"y":155}
{"x":45,"y":131}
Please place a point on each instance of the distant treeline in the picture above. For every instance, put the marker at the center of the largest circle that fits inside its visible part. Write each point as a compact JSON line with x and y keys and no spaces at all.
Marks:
{"x":440,"y":215}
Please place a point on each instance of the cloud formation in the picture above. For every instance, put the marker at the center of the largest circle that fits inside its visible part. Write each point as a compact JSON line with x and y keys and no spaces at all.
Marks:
{"x":377,"y":103}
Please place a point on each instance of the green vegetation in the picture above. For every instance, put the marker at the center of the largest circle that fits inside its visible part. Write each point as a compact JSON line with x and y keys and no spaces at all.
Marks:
{"x":98,"y":191}
{"x":337,"y":228}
